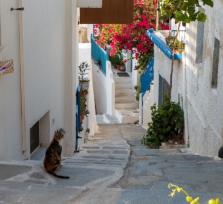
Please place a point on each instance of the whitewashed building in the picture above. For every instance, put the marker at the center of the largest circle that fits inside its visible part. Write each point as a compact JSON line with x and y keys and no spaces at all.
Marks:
{"x":197,"y":83}
{"x":38,"y":63}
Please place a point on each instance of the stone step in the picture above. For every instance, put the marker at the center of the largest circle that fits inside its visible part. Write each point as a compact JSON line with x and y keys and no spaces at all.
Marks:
{"x":130,"y":120}
{"x":107,"y":119}
{"x":126,"y":105}
{"x":124,"y":93}
{"x":123,"y":81}
{"x":117,"y":78}
{"x":127,"y":101}
{"x":129,"y":113}
{"x":123,"y":86}
{"x":123,"y":99}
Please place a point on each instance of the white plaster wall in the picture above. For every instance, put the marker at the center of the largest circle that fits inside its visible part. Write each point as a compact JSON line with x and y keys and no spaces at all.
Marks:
{"x":206,"y":102}
{"x":85,"y":56}
{"x":110,"y":86}
{"x":134,"y":73}
{"x":49,"y":72}
{"x":104,"y":90}
{"x":10,"y":127}
{"x":192,"y":86}
{"x":50,"y":59}
{"x":148,"y":102}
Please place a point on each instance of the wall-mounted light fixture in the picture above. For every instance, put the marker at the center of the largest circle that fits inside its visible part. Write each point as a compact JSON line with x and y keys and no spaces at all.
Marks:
{"x":17,"y":9}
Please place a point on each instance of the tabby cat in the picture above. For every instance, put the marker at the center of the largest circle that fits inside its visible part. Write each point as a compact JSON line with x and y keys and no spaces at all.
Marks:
{"x":52,"y":159}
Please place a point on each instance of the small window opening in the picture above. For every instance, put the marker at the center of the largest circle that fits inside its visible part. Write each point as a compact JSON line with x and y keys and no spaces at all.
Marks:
{"x":216,"y":53}
{"x":200,"y":42}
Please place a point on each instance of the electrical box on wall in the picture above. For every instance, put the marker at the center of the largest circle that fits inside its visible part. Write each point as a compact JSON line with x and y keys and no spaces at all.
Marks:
{"x":112,"y":12}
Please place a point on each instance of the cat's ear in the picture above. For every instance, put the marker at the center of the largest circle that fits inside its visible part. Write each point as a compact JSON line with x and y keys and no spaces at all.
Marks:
{"x":62,"y":131}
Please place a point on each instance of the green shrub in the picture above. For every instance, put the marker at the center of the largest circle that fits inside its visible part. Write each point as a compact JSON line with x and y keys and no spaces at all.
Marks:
{"x":116,"y":60}
{"x":167,"y":124}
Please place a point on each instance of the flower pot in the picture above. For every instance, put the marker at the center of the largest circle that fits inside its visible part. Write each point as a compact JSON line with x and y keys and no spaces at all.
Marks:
{"x":121,"y":67}
{"x":84,"y":84}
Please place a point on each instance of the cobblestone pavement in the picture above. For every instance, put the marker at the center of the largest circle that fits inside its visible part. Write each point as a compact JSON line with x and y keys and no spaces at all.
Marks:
{"x":113,"y":167}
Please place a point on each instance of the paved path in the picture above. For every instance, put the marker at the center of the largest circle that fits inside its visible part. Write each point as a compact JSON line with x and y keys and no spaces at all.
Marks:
{"x":113,"y":168}
{"x":149,"y":172}
{"x":100,"y":163}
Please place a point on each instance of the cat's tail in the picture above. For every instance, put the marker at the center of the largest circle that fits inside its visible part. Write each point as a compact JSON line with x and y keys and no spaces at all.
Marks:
{"x":59,"y":176}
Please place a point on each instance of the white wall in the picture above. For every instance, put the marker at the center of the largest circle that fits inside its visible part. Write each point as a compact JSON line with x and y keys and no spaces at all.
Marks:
{"x":50,"y":59}
{"x":10,"y":127}
{"x":48,"y":62}
{"x":148,"y":101}
{"x":104,"y":90}
{"x":85,"y":56}
{"x":134,"y":73}
{"x":204,"y":102}
{"x":192,"y":86}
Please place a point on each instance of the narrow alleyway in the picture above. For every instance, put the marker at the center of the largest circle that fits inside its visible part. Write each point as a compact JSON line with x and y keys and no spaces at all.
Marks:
{"x":125,"y":99}
{"x":149,"y":172}
{"x":114,"y":167}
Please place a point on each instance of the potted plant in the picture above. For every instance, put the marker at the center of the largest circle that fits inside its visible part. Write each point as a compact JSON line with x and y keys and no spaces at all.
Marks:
{"x":83,"y":104}
{"x":117,"y":61}
{"x":83,"y":75}
{"x":176,"y":45}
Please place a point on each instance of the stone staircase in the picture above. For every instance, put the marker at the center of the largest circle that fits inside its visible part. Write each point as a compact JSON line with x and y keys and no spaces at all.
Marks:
{"x":125,"y":100}
{"x":107,"y":119}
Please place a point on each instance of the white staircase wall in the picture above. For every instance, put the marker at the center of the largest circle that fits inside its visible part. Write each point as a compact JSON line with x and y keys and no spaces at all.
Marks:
{"x":85,"y":55}
{"x":145,"y":110}
{"x":104,"y":90}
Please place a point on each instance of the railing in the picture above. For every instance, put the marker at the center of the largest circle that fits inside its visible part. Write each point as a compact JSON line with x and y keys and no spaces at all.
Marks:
{"x":99,"y":55}
{"x":147,"y":77}
{"x":78,"y":119}
{"x":163,"y":46}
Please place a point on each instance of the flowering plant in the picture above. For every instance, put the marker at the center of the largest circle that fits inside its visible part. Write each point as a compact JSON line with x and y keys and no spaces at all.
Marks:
{"x":132,"y":36}
{"x":189,"y":199}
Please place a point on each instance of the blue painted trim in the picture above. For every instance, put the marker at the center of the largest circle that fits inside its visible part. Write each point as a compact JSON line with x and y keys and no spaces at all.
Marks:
{"x":78,"y":110}
{"x":78,"y":116}
{"x":162,"y":45}
{"x":147,"y":77}
{"x":99,"y":55}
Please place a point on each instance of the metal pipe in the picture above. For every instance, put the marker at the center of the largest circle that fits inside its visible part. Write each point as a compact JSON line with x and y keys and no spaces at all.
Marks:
{"x":22,"y":82}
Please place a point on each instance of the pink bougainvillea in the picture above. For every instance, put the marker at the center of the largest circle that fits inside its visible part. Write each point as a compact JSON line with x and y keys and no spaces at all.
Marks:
{"x":132,"y":36}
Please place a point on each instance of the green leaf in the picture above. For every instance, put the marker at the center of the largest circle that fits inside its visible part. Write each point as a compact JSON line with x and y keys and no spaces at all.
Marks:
{"x":208,"y":2}
{"x":201,"y":17}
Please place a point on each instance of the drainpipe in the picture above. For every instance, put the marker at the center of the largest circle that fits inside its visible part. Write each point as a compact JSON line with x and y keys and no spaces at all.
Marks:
{"x":22,"y":82}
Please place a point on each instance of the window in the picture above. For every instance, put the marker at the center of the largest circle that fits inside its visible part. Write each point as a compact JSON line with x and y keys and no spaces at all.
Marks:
{"x":200,"y":42}
{"x":164,"y":90}
{"x":216,"y":53}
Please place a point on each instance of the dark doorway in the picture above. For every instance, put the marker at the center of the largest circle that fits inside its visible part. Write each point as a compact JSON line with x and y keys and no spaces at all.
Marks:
{"x":123,"y":74}
{"x":34,"y":137}
{"x":164,"y":90}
